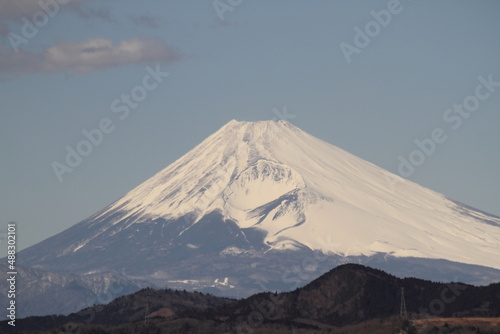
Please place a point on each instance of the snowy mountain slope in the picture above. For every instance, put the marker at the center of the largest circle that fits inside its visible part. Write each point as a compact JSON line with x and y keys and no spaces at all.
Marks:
{"x":265,"y":206}
{"x":300,"y":190}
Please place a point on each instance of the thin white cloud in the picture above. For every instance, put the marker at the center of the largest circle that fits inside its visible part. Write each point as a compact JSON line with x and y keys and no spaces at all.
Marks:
{"x":90,"y":55}
{"x":146,"y":21}
{"x":21,"y":62}
{"x":14,"y":10}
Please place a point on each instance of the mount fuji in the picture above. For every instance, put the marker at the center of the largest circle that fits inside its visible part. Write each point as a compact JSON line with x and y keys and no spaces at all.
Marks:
{"x":266,"y":206}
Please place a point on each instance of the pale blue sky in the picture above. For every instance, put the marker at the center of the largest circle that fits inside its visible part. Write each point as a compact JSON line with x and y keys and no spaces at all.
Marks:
{"x":262,"y":55}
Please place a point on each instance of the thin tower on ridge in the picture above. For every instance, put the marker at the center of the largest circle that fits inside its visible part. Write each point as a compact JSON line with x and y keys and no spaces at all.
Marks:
{"x":402,"y":311}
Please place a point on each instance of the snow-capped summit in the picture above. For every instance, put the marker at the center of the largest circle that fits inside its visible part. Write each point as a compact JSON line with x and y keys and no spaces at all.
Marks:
{"x":302,"y":191}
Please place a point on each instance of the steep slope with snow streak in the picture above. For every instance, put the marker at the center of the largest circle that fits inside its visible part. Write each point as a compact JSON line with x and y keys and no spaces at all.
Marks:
{"x":302,"y":191}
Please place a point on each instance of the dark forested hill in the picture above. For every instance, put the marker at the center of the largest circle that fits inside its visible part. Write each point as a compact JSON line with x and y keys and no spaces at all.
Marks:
{"x":347,"y":295}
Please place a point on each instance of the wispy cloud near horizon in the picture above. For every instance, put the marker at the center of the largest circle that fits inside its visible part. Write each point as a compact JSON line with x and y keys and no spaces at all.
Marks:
{"x":89,"y":55}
